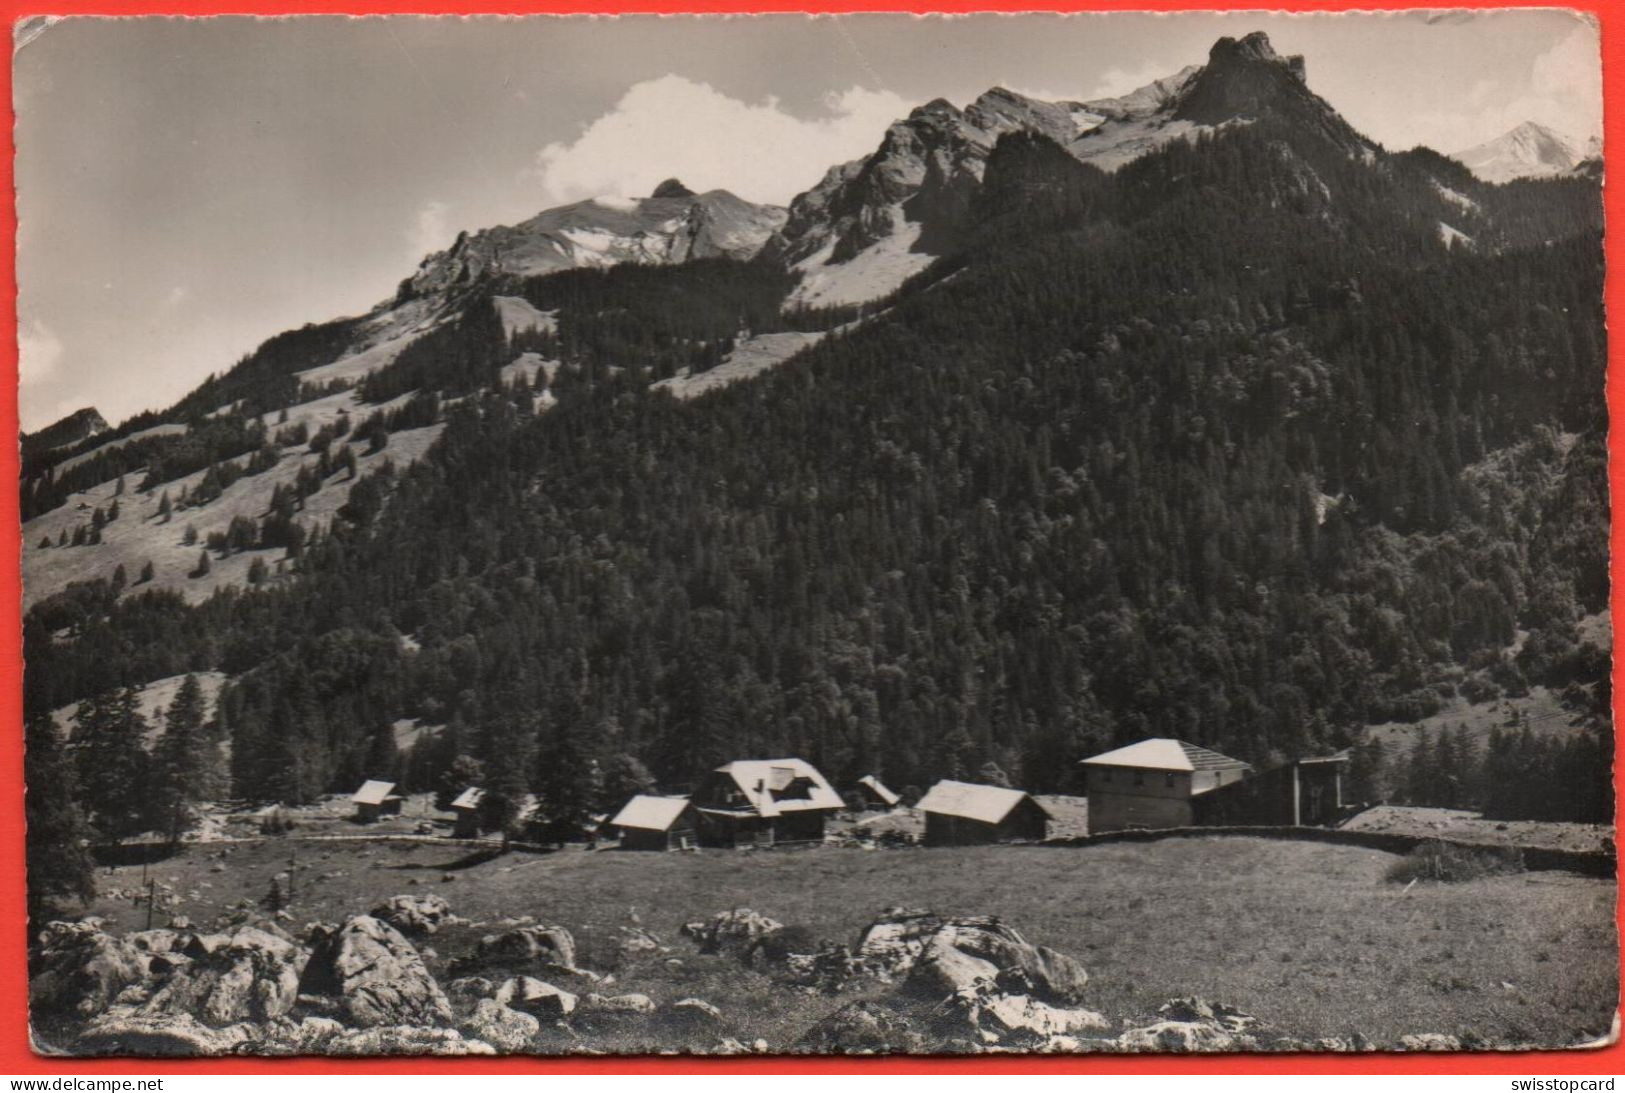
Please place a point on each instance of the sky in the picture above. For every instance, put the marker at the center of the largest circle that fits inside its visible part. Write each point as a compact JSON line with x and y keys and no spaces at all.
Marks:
{"x":190,"y":187}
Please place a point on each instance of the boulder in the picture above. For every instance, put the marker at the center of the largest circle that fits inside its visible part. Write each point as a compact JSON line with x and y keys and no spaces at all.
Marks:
{"x":550,"y":945}
{"x":1430,"y":1041}
{"x":469,"y":989}
{"x":740,"y":930}
{"x":982,"y":953}
{"x":375,"y":977}
{"x":863,"y":1028}
{"x":416,"y":914}
{"x":896,"y":939}
{"x":1183,"y":1036}
{"x":1193,"y":1024}
{"x":1003,"y":1014}
{"x":164,"y":1034}
{"x":249,"y":975}
{"x":507,"y":1030}
{"x":635,"y":939}
{"x":80,"y":970}
{"x":537,"y":998}
{"x":405,"y":1040}
{"x":691,"y":1019}
{"x":628,"y":1004}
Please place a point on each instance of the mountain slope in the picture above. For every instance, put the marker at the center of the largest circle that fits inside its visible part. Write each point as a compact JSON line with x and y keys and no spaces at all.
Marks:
{"x":871,"y":224}
{"x":1223,"y":445}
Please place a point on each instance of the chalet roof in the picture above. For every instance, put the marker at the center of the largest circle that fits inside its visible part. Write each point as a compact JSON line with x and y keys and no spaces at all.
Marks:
{"x":373,"y":792}
{"x":469,"y":798}
{"x":762,"y":781}
{"x":878,"y":788}
{"x":1161,"y":753}
{"x":650,"y":813}
{"x":988,"y":804}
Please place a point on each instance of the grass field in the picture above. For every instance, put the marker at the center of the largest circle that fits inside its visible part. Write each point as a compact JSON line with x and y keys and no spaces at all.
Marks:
{"x":1307,"y":937}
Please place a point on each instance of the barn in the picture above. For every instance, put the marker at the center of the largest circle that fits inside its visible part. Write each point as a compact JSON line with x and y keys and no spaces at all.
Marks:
{"x":375,"y":799}
{"x":763,"y":802}
{"x":871,"y":794}
{"x":958,"y":813}
{"x":467,"y":809}
{"x":655,"y":823}
{"x":1153,"y":784}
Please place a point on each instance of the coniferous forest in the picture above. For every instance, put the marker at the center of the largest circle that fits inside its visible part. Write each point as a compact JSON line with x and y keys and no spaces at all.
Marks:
{"x":1225,"y":446}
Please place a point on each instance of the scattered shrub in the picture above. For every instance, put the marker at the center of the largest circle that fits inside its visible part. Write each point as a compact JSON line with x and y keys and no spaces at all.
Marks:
{"x":1448,"y":863}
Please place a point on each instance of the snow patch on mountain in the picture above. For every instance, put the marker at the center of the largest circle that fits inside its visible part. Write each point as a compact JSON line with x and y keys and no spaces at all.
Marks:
{"x":518,"y":313}
{"x":872,"y":273}
{"x":1460,"y":200}
{"x":1451,"y":237}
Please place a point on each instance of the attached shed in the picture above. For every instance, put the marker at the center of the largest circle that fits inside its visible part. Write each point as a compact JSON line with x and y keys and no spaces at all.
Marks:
{"x":655,"y":823}
{"x":872,"y":794}
{"x":375,"y":799}
{"x":958,"y":813}
{"x":1153,"y":784}
{"x":763,"y":802}
{"x":467,"y":809}
{"x":1302,"y":793}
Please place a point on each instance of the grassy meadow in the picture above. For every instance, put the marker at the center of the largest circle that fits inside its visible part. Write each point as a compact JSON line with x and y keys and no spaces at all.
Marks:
{"x":1307,"y":937}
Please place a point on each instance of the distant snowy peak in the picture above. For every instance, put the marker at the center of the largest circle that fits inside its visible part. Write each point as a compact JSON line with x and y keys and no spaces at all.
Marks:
{"x":1529,"y":151}
{"x":672,"y":225}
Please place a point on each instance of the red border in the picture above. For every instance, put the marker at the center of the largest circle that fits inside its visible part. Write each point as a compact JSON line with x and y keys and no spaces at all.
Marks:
{"x":15,"y":1055}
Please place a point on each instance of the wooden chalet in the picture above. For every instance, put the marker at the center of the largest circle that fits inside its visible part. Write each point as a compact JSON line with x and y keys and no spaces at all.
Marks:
{"x":763,"y":802}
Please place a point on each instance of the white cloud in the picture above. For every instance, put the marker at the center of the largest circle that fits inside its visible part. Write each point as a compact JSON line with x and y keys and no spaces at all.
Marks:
{"x":1562,"y":90}
{"x":674,"y":127}
{"x":39,"y":351}
{"x":428,"y":231}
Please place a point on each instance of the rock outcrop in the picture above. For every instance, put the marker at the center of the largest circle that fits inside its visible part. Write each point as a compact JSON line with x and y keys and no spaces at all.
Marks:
{"x":372,"y":977}
{"x":737,"y":931}
{"x":79,"y":969}
{"x":416,"y":915}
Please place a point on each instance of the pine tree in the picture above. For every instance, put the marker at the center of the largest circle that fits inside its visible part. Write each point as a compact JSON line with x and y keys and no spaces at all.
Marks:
{"x":179,"y":761}
{"x":146,"y":573}
{"x":110,"y":763}
{"x":202,"y":568}
{"x":59,"y":863}
{"x":164,"y":507}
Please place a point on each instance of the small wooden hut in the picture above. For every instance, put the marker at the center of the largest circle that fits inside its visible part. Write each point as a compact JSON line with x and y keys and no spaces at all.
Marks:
{"x":960,"y":813}
{"x":467,"y":810}
{"x":375,"y":799}
{"x":655,"y":823}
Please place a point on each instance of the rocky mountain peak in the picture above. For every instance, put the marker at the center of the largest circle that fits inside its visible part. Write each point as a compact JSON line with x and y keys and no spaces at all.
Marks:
{"x":672,"y":188}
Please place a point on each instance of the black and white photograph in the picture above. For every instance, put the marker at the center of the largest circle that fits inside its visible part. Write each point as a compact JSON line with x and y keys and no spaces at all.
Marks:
{"x":789,"y":535}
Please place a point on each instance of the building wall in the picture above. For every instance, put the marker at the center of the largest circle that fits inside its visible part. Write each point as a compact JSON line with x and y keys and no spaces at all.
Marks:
{"x":1025,"y":821}
{"x":1120,"y":811}
{"x":640,"y":838}
{"x":467,"y":825}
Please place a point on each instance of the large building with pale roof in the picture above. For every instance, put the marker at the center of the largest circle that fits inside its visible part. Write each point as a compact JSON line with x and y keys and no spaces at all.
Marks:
{"x":1154,"y":784}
